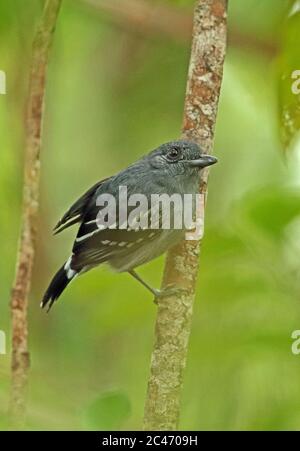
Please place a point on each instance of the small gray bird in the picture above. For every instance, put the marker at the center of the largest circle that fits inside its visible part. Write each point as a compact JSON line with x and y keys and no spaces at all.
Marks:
{"x":172,"y":168}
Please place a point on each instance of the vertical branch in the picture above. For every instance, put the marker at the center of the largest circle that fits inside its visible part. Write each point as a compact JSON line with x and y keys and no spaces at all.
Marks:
{"x":173,"y":323}
{"x":33,"y":126}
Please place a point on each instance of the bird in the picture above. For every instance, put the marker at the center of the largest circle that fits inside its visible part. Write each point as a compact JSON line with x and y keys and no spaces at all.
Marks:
{"x":171,"y":169}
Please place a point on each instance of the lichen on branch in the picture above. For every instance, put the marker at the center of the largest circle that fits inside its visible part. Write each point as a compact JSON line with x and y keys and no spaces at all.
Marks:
{"x":33,"y":129}
{"x":174,"y":315}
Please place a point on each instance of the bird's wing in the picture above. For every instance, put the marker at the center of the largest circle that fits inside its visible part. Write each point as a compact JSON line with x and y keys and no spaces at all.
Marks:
{"x":77,"y":211}
{"x":94,"y":245}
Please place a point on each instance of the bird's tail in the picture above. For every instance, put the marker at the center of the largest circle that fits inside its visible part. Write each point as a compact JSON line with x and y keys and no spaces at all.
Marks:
{"x":57,"y":285}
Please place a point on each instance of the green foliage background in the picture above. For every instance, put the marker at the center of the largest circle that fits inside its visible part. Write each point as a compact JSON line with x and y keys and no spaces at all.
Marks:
{"x":112,"y":95}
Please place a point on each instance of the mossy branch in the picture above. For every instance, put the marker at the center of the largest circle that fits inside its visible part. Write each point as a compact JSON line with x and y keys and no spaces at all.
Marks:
{"x":33,"y":129}
{"x":174,"y":316}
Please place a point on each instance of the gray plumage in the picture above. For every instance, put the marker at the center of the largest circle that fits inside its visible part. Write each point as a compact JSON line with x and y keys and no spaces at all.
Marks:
{"x":172,"y":168}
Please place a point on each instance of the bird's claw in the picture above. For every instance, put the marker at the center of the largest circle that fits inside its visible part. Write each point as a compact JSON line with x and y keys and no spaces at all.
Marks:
{"x":170,"y":290}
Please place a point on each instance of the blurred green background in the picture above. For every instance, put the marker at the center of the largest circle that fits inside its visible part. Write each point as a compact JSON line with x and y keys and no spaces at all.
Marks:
{"x":115,"y":91}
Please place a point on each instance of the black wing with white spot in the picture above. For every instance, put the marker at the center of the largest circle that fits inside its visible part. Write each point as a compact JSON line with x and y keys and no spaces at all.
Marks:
{"x":95,"y":244}
{"x":77,"y":211}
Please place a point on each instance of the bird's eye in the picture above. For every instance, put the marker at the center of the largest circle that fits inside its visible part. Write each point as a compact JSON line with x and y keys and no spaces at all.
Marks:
{"x":174,"y":154}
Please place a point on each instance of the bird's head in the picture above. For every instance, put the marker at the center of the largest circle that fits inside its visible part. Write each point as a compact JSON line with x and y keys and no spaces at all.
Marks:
{"x":180,"y":157}
{"x":181,"y":160}
{"x":173,"y":167}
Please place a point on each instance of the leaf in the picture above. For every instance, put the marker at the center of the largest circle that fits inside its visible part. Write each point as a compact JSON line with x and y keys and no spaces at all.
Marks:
{"x":108,"y":411}
{"x":289,"y":82}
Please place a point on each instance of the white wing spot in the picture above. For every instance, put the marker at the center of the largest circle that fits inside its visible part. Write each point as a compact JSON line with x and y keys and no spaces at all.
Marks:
{"x":70,"y":272}
{"x":84,"y":237}
{"x":65,"y":223}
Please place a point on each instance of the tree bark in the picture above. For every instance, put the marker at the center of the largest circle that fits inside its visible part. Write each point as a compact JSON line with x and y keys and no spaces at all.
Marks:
{"x":174,"y":315}
{"x":33,"y":127}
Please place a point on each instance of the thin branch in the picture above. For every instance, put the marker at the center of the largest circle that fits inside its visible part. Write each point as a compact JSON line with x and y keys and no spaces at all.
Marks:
{"x":174,"y":316}
{"x":33,"y":126}
{"x":146,"y":18}
{"x":143,"y":17}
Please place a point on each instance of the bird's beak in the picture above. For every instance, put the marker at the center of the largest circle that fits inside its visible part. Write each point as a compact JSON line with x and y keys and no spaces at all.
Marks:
{"x":203,"y":161}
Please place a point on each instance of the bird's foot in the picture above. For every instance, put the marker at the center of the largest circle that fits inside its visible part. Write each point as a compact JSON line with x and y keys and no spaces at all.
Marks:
{"x":170,"y":290}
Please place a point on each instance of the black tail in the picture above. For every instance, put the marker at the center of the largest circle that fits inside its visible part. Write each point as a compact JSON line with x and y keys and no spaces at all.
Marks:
{"x":59,"y":282}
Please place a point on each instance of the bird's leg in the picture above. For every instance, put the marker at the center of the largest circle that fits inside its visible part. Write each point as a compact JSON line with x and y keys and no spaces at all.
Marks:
{"x":157,"y":293}
{"x":154,"y":291}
